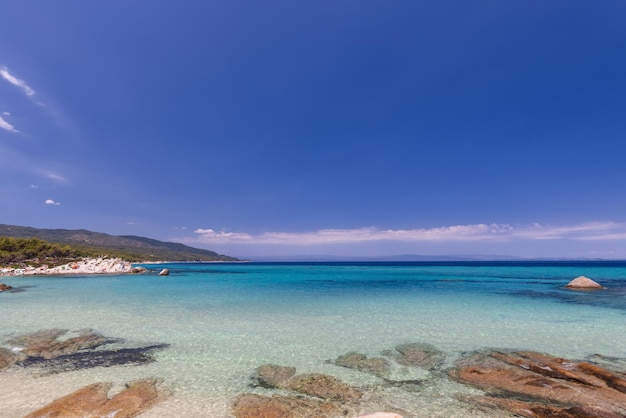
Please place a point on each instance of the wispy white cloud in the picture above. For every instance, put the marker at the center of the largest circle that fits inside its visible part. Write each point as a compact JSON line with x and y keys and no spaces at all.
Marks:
{"x":52,"y":202}
{"x":34,"y":186}
{"x":6,"y":113}
{"x":456,"y":233}
{"x":4,"y":73}
{"x":589,"y":230}
{"x":7,"y":126}
{"x":56,"y":177}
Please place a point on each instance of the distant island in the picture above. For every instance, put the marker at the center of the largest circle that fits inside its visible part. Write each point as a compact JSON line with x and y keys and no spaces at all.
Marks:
{"x":22,"y":245}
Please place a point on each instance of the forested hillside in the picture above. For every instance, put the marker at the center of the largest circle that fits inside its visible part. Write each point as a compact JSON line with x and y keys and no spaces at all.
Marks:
{"x":82,"y":243}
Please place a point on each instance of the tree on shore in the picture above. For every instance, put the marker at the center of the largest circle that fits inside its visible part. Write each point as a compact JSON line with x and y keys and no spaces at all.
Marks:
{"x":34,"y":251}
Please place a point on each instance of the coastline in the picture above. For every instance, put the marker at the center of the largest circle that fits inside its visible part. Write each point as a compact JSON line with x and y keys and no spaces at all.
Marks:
{"x":100,"y":265}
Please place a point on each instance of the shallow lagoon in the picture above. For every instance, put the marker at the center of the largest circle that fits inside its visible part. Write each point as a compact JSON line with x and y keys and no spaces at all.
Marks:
{"x":224,"y":320}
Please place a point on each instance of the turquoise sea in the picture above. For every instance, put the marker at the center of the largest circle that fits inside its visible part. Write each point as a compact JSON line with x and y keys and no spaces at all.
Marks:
{"x":223,"y":320}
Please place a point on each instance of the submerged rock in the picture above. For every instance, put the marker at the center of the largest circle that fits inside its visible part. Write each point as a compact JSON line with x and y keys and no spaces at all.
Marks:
{"x":59,"y":350}
{"x":421,"y":355}
{"x":138,"y":397}
{"x":94,"y":358}
{"x":325,"y":387}
{"x":274,"y":376}
{"x":93,"y":401}
{"x":584,"y":283}
{"x":7,"y":358}
{"x":539,"y":410}
{"x":327,"y":396}
{"x":81,"y":403}
{"x":4,"y":287}
{"x":250,"y":405}
{"x":377,"y":366}
{"x":137,"y":270}
{"x":56,"y":342}
{"x":539,"y":385}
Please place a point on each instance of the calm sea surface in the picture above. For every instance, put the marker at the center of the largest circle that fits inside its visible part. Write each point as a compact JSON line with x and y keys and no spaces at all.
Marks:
{"x":224,"y":320}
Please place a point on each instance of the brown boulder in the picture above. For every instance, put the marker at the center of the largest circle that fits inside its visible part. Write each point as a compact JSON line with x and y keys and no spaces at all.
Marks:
{"x":93,"y":401}
{"x":542,"y":385}
{"x":82,"y":403}
{"x":584,"y":283}
{"x":138,"y":397}
{"x":612,"y":380}
{"x":249,"y":405}
{"x":4,"y":287}
{"x":538,"y":410}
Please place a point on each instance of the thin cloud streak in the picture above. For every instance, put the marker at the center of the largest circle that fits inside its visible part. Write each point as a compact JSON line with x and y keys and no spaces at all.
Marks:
{"x":4,"y":72}
{"x":589,"y":230}
{"x":52,"y":202}
{"x":457,"y":233}
{"x":7,"y":126}
{"x":56,"y":177}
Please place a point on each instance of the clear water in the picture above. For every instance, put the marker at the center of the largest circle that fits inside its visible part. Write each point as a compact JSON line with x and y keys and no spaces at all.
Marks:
{"x":224,"y":320}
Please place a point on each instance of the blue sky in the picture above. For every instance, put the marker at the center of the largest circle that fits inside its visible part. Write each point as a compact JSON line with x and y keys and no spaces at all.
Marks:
{"x":328,"y":127}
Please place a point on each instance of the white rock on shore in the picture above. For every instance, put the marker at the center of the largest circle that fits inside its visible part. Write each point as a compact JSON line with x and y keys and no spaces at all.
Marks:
{"x":84,"y":266}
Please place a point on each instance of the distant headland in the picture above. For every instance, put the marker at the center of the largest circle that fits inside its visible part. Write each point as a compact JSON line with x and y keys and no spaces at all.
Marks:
{"x":50,"y":250}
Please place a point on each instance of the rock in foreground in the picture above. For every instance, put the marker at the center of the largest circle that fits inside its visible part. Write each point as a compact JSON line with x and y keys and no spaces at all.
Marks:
{"x":325,"y":387}
{"x":540,"y":386}
{"x":421,"y":355}
{"x":326,"y":397}
{"x":250,"y":405}
{"x":314,"y":384}
{"x":377,"y":366}
{"x":59,"y":350}
{"x":7,"y":358}
{"x":93,"y":401}
{"x":274,"y":376}
{"x":55,"y":342}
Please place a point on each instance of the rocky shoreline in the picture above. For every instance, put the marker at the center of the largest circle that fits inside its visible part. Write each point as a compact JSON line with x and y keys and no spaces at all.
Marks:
{"x":100,"y":265}
{"x":55,"y":351}
{"x":505,"y":383}
{"x":511,"y":384}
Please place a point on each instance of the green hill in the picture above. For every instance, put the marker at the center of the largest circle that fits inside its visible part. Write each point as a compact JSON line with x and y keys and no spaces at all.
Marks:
{"x":128,"y":247}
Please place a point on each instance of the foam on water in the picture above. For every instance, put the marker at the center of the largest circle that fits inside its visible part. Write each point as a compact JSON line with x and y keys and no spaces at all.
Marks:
{"x":224,"y":320}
